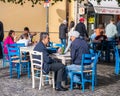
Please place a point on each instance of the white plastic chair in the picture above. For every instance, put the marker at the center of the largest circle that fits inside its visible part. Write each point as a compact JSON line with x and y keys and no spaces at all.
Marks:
{"x":37,"y":72}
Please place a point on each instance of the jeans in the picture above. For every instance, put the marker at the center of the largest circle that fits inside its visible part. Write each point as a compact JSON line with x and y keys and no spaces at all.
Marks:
{"x":73,"y":67}
{"x":63,"y":41}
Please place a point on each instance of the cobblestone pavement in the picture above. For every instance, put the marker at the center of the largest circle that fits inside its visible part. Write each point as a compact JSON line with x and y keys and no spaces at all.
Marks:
{"x":108,"y":85}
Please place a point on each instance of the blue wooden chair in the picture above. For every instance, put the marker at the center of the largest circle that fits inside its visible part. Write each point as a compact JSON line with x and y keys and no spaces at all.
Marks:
{"x":87,"y":71}
{"x":16,"y":62}
{"x":5,"y":56}
{"x":58,"y":45}
{"x":117,"y":61}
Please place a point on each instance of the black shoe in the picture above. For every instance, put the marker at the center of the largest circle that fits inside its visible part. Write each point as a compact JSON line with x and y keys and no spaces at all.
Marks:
{"x":60,"y":89}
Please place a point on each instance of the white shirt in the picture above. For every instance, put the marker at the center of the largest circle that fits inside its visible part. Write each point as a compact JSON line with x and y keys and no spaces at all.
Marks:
{"x":25,"y":41}
{"x":111,"y":30}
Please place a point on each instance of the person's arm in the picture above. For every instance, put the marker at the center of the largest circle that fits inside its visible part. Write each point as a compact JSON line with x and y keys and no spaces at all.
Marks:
{"x":34,"y":33}
{"x":47,"y":59}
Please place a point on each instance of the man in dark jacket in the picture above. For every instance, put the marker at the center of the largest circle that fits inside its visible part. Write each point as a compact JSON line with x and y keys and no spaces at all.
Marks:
{"x":78,"y":47}
{"x":48,"y":62}
{"x":80,"y":27}
{"x":1,"y":38}
{"x":63,"y":32}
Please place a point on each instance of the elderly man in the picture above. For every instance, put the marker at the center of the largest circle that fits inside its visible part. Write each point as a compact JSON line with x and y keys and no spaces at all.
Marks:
{"x":48,"y":62}
{"x":78,"y":47}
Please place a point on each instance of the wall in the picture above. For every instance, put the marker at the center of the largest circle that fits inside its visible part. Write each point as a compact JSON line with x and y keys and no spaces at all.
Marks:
{"x":16,"y":17}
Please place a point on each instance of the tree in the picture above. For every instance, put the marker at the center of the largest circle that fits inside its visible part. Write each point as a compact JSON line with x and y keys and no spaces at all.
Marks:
{"x":35,"y":2}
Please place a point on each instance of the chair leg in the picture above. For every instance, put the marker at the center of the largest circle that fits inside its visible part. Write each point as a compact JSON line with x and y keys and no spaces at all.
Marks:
{"x":3,"y":62}
{"x":83,"y":86}
{"x":71,"y":82}
{"x":93,"y":83}
{"x":28,"y":66}
{"x":41,"y":81}
{"x":33,"y":79}
{"x":10,"y":71}
{"x":18,"y":71}
{"x":53,"y":79}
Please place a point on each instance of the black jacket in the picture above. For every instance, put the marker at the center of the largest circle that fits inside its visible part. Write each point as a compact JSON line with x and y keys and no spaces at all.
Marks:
{"x":62,"y":31}
{"x":1,"y":38}
{"x":80,"y":27}
{"x":40,"y":47}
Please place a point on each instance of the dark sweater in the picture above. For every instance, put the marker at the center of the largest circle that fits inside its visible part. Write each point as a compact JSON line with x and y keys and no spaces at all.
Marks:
{"x":78,"y":47}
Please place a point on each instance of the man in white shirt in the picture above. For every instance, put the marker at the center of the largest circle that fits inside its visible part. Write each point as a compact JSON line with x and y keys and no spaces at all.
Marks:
{"x":111,"y":30}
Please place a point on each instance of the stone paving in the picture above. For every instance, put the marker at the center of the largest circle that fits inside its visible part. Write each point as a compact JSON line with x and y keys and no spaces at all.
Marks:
{"x":108,"y":85}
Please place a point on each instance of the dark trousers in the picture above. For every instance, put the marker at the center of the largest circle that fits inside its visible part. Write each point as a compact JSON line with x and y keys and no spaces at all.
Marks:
{"x":60,"y":72}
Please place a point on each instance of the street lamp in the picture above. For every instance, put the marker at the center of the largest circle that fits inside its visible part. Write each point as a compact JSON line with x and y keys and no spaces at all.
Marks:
{"x":46,"y":5}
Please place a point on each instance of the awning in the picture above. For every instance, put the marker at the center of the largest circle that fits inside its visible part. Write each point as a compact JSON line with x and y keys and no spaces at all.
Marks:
{"x":107,"y":10}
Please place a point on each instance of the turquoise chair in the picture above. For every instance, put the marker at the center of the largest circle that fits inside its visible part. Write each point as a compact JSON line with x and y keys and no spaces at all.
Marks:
{"x":117,"y":61}
{"x":87,"y":71}
{"x":57,"y":45}
{"x":16,"y":62}
{"x":5,"y":56}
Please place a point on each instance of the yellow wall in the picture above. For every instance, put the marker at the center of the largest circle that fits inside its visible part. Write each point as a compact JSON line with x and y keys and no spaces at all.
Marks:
{"x":16,"y":17}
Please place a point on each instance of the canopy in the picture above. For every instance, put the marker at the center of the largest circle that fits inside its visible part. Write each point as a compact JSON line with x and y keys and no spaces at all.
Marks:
{"x":107,"y":10}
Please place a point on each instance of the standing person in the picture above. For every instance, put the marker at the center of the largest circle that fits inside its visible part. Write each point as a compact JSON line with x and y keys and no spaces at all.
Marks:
{"x":48,"y":62}
{"x":111,"y":30}
{"x":80,"y":27}
{"x":78,"y":47}
{"x":63,"y":32}
{"x":118,"y":28}
{"x":1,"y":38}
{"x":30,"y":36}
{"x":71,"y":28}
{"x":10,"y":39}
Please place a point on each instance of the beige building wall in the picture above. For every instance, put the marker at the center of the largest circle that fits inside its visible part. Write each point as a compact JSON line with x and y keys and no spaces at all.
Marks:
{"x":16,"y":17}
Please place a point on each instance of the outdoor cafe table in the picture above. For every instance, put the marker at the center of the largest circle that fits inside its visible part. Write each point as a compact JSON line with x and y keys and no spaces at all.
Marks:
{"x":63,"y":57}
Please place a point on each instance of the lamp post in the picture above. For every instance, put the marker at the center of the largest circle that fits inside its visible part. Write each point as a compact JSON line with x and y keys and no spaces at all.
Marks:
{"x":46,"y":5}
{"x":47,"y":19}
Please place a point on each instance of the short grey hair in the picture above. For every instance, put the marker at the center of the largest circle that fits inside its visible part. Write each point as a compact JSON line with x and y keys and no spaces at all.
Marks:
{"x":43,"y":35}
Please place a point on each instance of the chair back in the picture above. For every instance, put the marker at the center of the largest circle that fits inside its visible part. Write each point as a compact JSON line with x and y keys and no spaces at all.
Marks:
{"x":36,"y":60}
{"x":20,"y":44}
{"x":16,"y":45}
{"x":89,"y":62}
{"x":13,"y":52}
{"x":57,"y":45}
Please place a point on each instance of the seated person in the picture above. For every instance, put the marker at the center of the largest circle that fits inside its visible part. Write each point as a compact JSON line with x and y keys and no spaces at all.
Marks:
{"x":78,"y":47}
{"x":10,"y":39}
{"x":100,"y":39}
{"x":27,"y":31}
{"x":92,"y":37}
{"x":48,"y":62}
{"x":24,"y":40}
